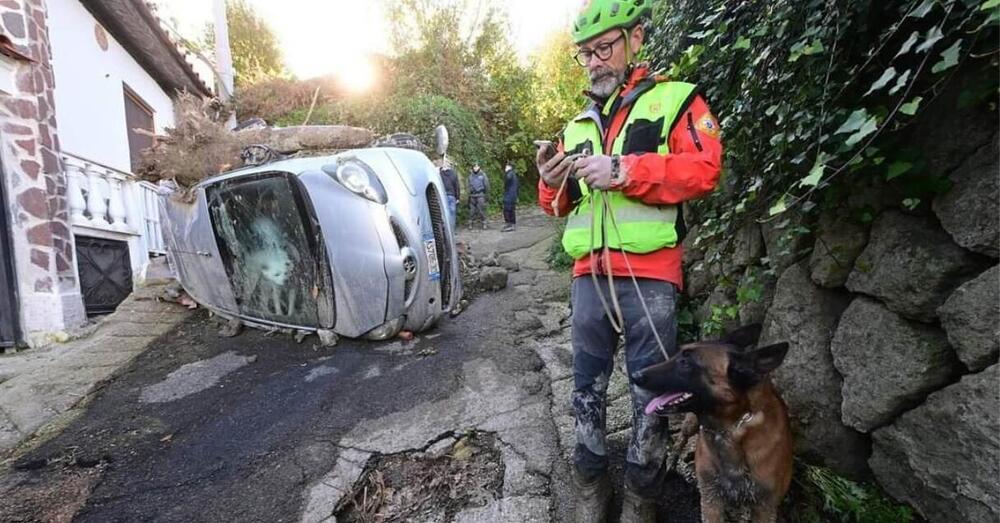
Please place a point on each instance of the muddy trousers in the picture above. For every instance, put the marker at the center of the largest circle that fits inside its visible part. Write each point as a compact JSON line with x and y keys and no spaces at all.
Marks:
{"x":477,"y":209}
{"x":594,"y":343}
{"x":509,"y":216}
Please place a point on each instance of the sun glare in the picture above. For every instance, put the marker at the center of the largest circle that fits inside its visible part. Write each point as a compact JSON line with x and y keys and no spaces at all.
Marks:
{"x":357,"y":76}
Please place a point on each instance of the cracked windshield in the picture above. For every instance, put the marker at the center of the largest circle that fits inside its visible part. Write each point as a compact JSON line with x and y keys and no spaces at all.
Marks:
{"x":477,"y":261}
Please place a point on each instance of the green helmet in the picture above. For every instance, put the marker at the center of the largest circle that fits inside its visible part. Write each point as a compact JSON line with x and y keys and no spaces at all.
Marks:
{"x":599,"y":16}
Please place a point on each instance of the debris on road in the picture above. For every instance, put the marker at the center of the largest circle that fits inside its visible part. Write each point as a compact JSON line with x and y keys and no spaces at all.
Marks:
{"x":427,"y":486}
{"x":327,"y":338}
{"x":493,"y":278}
{"x":231,"y":328}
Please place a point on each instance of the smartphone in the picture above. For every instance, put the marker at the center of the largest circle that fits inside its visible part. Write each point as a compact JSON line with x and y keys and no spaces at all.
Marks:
{"x":548,"y":146}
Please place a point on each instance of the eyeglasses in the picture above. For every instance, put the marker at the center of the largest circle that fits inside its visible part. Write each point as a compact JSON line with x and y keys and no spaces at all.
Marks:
{"x":602,"y":51}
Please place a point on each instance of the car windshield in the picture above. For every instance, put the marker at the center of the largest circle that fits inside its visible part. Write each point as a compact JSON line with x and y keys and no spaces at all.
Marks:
{"x":269,"y":256}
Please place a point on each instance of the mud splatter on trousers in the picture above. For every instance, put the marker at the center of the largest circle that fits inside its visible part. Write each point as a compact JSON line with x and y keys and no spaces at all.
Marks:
{"x":594,"y":343}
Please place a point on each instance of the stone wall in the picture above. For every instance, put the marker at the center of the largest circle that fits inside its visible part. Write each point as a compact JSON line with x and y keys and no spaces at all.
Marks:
{"x":48,"y":290}
{"x":893,"y":321}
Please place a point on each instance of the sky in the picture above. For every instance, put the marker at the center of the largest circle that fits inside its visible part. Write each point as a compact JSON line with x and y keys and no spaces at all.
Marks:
{"x":316,"y":41}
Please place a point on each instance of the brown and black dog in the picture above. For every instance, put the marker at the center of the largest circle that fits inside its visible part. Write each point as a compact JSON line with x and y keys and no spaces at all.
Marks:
{"x":743,"y":459}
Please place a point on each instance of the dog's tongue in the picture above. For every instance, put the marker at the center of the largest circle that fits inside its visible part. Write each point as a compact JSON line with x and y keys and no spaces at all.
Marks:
{"x":659,"y":401}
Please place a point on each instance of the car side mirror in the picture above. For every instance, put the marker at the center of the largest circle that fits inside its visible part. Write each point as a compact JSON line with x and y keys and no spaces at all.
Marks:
{"x":441,"y":140}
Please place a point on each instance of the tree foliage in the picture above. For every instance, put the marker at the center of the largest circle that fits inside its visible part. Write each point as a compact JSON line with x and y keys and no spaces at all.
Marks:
{"x":254,"y":46}
{"x":815,"y":96}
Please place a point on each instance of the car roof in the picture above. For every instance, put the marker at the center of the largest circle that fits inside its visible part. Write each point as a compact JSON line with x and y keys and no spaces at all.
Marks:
{"x":297,"y":166}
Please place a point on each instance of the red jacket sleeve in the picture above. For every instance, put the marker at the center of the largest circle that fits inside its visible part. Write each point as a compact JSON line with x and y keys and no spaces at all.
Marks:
{"x":689,"y":171}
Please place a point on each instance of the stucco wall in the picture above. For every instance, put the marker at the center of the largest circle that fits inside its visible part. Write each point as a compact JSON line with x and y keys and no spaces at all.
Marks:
{"x":89,"y":92}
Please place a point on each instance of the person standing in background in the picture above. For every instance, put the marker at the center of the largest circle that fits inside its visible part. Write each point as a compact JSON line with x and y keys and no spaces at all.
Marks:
{"x":453,"y":191}
{"x":479,"y":186}
{"x":510,"y":187}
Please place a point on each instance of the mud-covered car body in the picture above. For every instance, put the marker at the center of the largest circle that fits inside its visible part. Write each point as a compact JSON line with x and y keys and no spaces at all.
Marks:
{"x":357,"y":243}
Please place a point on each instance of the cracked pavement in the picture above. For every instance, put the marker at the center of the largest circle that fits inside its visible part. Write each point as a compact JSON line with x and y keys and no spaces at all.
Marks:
{"x":198,"y":427}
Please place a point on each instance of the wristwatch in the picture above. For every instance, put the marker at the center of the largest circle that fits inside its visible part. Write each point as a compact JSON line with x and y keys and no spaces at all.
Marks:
{"x":617,"y":176}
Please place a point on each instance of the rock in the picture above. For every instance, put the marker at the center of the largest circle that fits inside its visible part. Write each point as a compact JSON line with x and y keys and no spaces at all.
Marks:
{"x":941,"y":456}
{"x":839,"y":241}
{"x":912,"y":266}
{"x":493,"y":278}
{"x":490,"y":260}
{"x":693,"y":247}
{"x":971,"y":317}
{"x":969,"y":211}
{"x":749,"y":247}
{"x":787,"y":239}
{"x":754,"y":294}
{"x":231,"y":328}
{"x":327,"y":338}
{"x":805,"y":316}
{"x":889,"y":364}
{"x":698,"y":279}
{"x":719,"y":310}
{"x":509,"y":262}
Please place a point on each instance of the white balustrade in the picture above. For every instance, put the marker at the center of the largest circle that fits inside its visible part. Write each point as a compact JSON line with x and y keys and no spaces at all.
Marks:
{"x":103,"y":198}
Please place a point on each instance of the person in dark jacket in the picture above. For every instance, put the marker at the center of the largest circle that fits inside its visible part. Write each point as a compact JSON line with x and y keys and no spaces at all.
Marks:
{"x":479,"y":186}
{"x":453,"y":191}
{"x":510,"y":186}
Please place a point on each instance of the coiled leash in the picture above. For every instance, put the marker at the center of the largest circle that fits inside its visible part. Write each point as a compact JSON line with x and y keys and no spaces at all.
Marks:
{"x":613,"y":311}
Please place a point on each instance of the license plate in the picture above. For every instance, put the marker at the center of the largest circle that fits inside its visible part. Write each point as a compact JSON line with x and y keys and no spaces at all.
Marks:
{"x":433,"y":266}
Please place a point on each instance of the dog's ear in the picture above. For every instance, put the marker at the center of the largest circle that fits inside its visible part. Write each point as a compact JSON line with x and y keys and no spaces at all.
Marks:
{"x":744,"y":336}
{"x":747,"y":369}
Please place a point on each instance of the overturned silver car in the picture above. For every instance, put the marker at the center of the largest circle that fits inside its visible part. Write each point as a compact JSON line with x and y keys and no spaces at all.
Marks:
{"x":357,"y":243}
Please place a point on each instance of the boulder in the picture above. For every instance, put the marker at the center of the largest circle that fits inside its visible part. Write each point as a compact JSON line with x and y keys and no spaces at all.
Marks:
{"x":805,"y":316}
{"x":839,"y":241}
{"x":971,"y":317}
{"x":749,"y":245}
{"x":698,"y":279}
{"x":969,"y":211}
{"x":912,"y":266}
{"x":509,"y":262}
{"x":754,"y":294}
{"x":941,"y":457}
{"x":493,"y":278}
{"x":889,"y":364}
{"x":787,"y":239}
{"x":722,"y":299}
{"x":693,"y":247}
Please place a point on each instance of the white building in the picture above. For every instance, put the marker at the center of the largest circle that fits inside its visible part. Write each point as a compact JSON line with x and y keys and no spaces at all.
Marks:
{"x":77,"y":78}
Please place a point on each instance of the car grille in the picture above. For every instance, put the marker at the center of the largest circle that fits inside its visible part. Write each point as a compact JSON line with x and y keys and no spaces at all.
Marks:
{"x":409,"y":265}
{"x":441,"y":240}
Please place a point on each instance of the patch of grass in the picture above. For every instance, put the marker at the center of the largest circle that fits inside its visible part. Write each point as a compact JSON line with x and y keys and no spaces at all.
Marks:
{"x":556,"y":257}
{"x":826,"y":496}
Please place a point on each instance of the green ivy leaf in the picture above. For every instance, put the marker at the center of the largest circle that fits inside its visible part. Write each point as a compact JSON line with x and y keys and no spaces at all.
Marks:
{"x":898,"y":169}
{"x":854,"y":122}
{"x":911,"y":203}
{"x":949,"y":58}
{"x":816,"y":174}
{"x":900,"y":82}
{"x":989,"y":4}
{"x":778,"y":207}
{"x":933,"y":35}
{"x":870,"y":126}
{"x":908,"y":44}
{"x":910,"y":108}
{"x":883,"y":80}
{"x":744,"y":42}
{"x":924,"y":8}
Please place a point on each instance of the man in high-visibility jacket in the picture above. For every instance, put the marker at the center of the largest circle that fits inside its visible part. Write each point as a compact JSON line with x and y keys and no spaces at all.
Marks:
{"x":620,"y":174}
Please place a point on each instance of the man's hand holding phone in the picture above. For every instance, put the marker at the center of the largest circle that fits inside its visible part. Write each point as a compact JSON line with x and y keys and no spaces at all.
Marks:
{"x":553,"y":165}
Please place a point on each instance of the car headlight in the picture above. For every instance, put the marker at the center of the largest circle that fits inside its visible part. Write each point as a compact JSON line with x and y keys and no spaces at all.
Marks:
{"x":358,"y":178}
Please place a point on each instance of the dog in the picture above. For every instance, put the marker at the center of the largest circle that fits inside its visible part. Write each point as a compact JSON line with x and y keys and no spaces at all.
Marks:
{"x":743,"y":457}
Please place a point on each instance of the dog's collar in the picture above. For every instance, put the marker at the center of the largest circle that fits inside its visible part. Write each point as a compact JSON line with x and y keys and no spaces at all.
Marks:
{"x":731,"y":430}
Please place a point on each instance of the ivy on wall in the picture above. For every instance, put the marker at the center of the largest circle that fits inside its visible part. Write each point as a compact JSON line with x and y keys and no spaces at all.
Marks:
{"x":811,"y":94}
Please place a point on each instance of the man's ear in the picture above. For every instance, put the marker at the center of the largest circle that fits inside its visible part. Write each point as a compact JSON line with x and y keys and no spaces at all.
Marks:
{"x":744,"y":336}
{"x":747,"y":369}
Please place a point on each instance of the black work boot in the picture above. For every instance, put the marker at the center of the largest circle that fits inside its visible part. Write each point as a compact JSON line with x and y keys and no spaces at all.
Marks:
{"x":637,"y":509}
{"x":592,"y":499}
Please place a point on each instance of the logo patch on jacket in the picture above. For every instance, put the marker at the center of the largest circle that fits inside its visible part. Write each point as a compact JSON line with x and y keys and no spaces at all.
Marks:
{"x":708,"y":125}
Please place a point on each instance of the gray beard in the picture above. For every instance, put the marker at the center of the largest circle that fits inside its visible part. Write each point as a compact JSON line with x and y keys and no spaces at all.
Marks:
{"x":606,"y":83}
